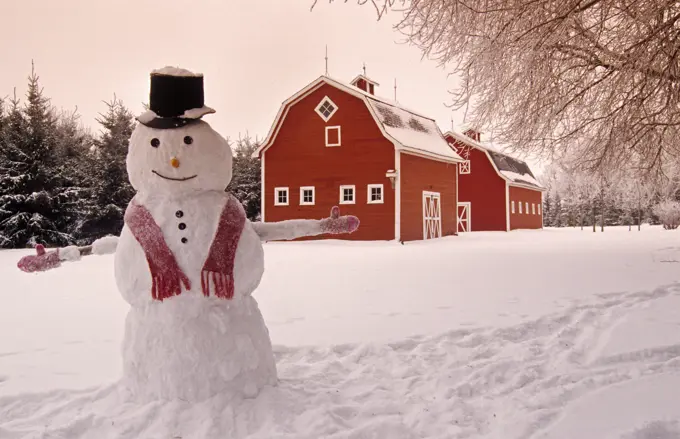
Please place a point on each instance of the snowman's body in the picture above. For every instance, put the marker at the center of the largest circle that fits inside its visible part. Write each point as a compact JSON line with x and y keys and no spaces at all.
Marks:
{"x":190,"y":346}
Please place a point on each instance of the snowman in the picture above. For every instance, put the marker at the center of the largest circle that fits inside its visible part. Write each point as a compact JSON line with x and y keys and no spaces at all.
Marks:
{"x":187,"y":259}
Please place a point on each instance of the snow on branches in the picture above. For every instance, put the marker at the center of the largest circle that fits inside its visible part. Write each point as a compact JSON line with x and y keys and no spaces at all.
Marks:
{"x":549,"y":76}
{"x":668,"y":212}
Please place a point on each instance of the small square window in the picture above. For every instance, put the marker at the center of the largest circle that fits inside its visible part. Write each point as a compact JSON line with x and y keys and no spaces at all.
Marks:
{"x":333,"y":136}
{"x":326,"y":109}
{"x":512,"y":204}
{"x":347,"y":194}
{"x":307,"y":196}
{"x":281,"y":196}
{"x":464,"y":167}
{"x":375,"y":194}
{"x":526,"y":204}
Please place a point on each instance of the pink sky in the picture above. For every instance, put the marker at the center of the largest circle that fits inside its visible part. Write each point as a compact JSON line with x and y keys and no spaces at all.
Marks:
{"x":254,"y":54}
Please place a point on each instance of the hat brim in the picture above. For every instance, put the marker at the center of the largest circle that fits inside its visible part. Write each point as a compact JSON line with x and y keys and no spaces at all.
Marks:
{"x":152,"y":120}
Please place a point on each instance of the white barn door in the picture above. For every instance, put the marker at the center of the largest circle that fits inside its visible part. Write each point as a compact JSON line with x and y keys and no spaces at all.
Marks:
{"x":464,"y":216}
{"x":432,"y":215}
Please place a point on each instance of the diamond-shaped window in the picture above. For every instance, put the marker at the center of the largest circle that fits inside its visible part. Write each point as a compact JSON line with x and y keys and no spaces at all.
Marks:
{"x":326,"y":108}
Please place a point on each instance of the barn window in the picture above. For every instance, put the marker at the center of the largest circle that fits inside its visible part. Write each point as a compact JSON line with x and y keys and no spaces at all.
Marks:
{"x":333,"y":136}
{"x":512,"y":204}
{"x":526,"y":204}
{"x":539,"y":208}
{"x":347,"y":194}
{"x":464,"y":167}
{"x":520,"y":207}
{"x":307,"y":196}
{"x":326,"y":108}
{"x":281,"y":196}
{"x":533,"y":209}
{"x":375,"y":194}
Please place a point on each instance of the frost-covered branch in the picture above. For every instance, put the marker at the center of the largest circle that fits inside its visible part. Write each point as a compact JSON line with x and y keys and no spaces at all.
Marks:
{"x":597,"y":77}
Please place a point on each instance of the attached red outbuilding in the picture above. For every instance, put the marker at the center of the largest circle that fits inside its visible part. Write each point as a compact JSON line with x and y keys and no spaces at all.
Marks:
{"x":338,"y":144}
{"x":496,"y":192}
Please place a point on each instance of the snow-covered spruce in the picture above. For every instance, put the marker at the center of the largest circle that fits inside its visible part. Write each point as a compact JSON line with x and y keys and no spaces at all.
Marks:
{"x":188,"y":260}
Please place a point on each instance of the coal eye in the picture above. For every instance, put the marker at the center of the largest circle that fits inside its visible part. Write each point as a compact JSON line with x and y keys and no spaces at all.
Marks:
{"x":155,"y":142}
{"x":188,"y":140}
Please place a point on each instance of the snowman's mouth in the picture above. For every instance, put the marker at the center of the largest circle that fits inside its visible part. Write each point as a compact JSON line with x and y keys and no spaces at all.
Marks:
{"x":174,"y":179}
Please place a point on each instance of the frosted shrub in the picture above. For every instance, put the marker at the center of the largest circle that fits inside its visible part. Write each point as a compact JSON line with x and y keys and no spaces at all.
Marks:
{"x":669,"y":214}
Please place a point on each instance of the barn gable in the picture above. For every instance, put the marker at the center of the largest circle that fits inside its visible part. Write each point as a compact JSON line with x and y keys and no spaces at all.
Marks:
{"x":406,"y":129}
{"x":513,"y":170}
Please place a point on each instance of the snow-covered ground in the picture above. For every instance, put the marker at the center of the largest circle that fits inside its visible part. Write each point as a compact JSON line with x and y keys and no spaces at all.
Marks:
{"x":531,"y":334}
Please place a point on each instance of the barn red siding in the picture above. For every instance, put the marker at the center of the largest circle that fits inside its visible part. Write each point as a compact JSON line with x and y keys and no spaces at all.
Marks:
{"x":417,"y":175}
{"x":525,"y":220}
{"x":298,"y":157}
{"x":485,"y":190}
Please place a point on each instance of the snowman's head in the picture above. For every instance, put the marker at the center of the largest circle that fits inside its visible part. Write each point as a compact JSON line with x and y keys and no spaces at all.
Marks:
{"x":178,"y":160}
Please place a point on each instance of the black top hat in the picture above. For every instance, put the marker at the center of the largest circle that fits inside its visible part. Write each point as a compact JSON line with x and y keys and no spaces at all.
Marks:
{"x":176,"y":99}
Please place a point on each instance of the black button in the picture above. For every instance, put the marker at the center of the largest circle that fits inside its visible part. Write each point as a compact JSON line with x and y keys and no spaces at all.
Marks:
{"x":184,"y":240}
{"x":188,"y":140}
{"x":155,"y":142}
{"x":182,"y":226}
{"x":179,"y":214}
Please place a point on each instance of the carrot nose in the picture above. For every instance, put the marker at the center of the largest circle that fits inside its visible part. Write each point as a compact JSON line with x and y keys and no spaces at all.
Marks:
{"x":174,"y":162}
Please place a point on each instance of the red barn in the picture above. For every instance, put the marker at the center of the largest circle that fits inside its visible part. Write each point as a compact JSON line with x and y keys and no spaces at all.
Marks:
{"x":496,"y":191}
{"x":339,"y":144}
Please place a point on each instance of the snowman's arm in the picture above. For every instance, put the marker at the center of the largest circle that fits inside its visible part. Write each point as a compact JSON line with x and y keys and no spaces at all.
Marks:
{"x":45,"y":260}
{"x":287,"y":230}
{"x":292,"y":229}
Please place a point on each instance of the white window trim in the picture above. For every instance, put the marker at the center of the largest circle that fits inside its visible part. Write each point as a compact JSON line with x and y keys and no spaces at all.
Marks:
{"x":382,"y":194}
{"x":318,"y":107}
{"x":339,"y":138}
{"x":354,"y":194}
{"x":539,"y":208}
{"x":462,"y":167}
{"x":512,"y":205}
{"x":302,"y":198}
{"x":533,"y":208}
{"x":520,"y":207}
{"x":276,"y":196}
{"x":526,"y":204}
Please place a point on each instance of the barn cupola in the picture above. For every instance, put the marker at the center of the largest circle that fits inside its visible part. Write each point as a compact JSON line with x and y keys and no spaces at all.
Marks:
{"x":365,"y":83}
{"x":473,"y":134}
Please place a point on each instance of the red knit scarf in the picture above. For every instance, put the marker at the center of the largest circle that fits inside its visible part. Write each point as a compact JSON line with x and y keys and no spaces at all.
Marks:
{"x":167,"y":277}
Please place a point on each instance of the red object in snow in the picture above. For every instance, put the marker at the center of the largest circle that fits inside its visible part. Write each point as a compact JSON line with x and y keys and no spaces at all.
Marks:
{"x":336,"y":224}
{"x":41,"y":261}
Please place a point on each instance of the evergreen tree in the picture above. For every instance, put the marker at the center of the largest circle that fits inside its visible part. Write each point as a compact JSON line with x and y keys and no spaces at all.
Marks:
{"x":245,"y":181}
{"x":30,"y":206}
{"x":547,"y":210}
{"x":73,"y":167}
{"x":110,"y":189}
{"x":556,"y":220}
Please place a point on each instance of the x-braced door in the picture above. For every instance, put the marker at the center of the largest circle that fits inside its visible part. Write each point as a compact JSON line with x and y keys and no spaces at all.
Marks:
{"x":463,"y":216}
{"x":432,"y":215}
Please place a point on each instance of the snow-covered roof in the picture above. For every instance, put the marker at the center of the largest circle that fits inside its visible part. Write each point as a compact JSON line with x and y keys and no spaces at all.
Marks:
{"x":175,"y":71}
{"x":509,"y":168}
{"x":407,"y":129}
{"x":411,"y":129}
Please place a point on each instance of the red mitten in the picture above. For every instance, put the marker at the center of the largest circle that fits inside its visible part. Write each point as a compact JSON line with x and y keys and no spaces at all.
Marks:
{"x":339,"y":224}
{"x":41,"y":261}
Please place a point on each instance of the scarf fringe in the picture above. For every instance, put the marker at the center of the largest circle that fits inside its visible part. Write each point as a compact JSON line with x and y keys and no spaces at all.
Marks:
{"x":222,"y":284}
{"x":164,"y":288}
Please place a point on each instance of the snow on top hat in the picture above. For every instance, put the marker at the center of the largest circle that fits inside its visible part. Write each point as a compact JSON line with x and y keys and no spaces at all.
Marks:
{"x":176,"y":99}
